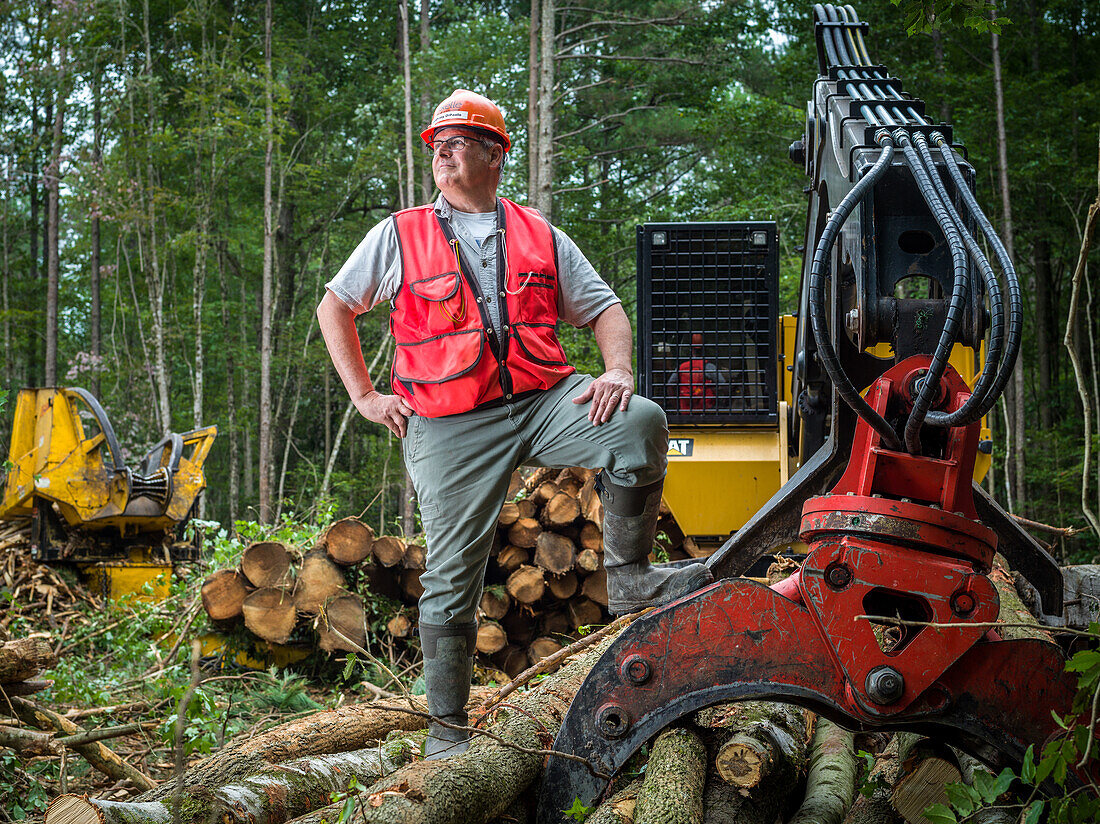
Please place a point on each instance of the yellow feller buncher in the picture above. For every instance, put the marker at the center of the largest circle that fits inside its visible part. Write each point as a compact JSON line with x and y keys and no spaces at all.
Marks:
{"x":120,"y":524}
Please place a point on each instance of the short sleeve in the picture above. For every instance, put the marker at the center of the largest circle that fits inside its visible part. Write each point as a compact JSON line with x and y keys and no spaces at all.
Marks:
{"x":373,"y":272}
{"x":583,"y":295}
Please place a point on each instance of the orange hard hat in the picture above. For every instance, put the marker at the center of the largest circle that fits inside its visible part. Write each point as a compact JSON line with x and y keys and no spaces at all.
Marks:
{"x":696,"y":339}
{"x":470,"y":109}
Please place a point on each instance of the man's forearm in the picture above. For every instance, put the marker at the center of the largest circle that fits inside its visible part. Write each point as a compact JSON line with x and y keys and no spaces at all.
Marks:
{"x":337,"y":323}
{"x":614,"y":338}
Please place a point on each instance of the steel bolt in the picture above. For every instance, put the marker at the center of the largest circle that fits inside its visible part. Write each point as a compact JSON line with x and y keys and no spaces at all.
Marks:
{"x":963,"y":603}
{"x":612,"y":720}
{"x":885,"y":685}
{"x":636,"y":670}
{"x":838,"y":576}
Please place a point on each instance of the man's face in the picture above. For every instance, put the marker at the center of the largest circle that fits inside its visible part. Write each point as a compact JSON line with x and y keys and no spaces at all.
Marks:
{"x":472,"y":169}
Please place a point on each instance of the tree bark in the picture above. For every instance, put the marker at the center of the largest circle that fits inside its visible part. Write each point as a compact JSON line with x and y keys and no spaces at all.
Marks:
{"x":546,"y":109}
{"x":95,"y":279}
{"x":672,"y":791}
{"x":830,"y":784}
{"x":53,"y":225}
{"x":1019,"y":416}
{"x":271,"y":796}
{"x":266,"y":308}
{"x":619,"y":808}
{"x":533,"y":74}
{"x":24,"y":658}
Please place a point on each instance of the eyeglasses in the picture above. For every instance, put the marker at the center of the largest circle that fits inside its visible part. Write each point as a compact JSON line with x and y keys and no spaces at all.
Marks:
{"x":454,"y":144}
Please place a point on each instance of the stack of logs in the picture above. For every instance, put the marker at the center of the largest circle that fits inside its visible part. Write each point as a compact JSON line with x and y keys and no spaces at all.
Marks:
{"x":544,"y":581}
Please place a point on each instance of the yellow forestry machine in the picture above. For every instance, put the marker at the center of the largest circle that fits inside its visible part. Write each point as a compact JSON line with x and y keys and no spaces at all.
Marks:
{"x":120,"y":524}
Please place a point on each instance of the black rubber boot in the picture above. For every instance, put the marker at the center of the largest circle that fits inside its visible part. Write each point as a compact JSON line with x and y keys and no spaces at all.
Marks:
{"x":629,"y":526}
{"x":448,"y":667}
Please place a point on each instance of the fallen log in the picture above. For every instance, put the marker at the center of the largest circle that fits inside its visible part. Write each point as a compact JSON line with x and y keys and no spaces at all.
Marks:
{"x":875,"y":807}
{"x":554,"y":553}
{"x":583,"y":612}
{"x":526,"y":584}
{"x":927,"y":769}
{"x":491,"y":638}
{"x":410,"y":584}
{"x":969,"y":766}
{"x":416,"y":557}
{"x":524,"y":533}
{"x":482,"y":782}
{"x":345,"y":729}
{"x":343,"y":625}
{"x":542,"y":493}
{"x":542,"y":647}
{"x":24,"y":658}
{"x":266,"y":563}
{"x":96,"y":753}
{"x":563,"y":587}
{"x":399,"y":626}
{"x":619,"y":808}
{"x":672,"y":791}
{"x":561,"y":510}
{"x":509,"y":514}
{"x":591,"y":537}
{"x":348,"y":541}
{"x":273,"y":796}
{"x":831,"y":780}
{"x":766,"y":737}
{"x":588,"y":561}
{"x":388,"y":550}
{"x":29,"y":687}
{"x":512,"y":558}
{"x":494,"y":603}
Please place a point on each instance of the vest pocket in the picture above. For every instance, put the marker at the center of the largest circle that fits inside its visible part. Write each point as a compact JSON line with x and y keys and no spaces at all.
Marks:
{"x":437,"y":287}
{"x":439,"y":358}
{"x":539,"y":343}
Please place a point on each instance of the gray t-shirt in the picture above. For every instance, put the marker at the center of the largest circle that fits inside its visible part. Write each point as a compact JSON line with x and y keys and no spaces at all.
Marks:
{"x":373,"y":272}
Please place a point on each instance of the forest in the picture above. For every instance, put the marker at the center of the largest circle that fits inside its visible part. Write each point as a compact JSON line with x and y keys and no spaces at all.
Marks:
{"x":182,"y":177}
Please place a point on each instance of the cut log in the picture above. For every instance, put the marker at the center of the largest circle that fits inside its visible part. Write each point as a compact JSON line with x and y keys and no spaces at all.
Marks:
{"x":343,"y":625}
{"x":28,"y":743}
{"x":1013,"y":611}
{"x":269,"y":613}
{"x":587,"y":561}
{"x":541,"y":647}
{"x":512,"y":558}
{"x":410,"y":584}
{"x":619,"y":808}
{"x":509,"y":514}
{"x":541,"y":474}
{"x":494,"y":603}
{"x":591,"y":537}
{"x":556,"y":624}
{"x":758,"y":738}
{"x":554,"y":553}
{"x":527,"y":508}
{"x":388,"y":550}
{"x":876,"y":807}
{"x":831,"y":781}
{"x":595,"y":587}
{"x":482,"y":782}
{"x":591,"y":505}
{"x":416,"y":557}
{"x":24,"y":658}
{"x":399,"y":626}
{"x":96,"y":753}
{"x":512,"y":660}
{"x":28,"y":687}
{"x":543,"y":493}
{"x":583,"y":613}
{"x":223,"y":594}
{"x":283,"y":792}
{"x":526,"y":584}
{"x":491,"y":637}
{"x":348,"y":728}
{"x":561,"y":510}
{"x":519,"y":626}
{"x":969,"y":766}
{"x":672,"y":791}
{"x":348,"y":541}
{"x":266,"y":564}
{"x":318,"y":580}
{"x":927,"y":769}
{"x":564,"y":586}
{"x":524,"y":533}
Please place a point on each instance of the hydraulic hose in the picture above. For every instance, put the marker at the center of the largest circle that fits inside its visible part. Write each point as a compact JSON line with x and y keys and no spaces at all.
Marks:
{"x":834,"y":32}
{"x":1012,"y":282}
{"x":956,"y":306}
{"x":830,"y":49}
{"x":825,"y":352}
{"x":979,"y":401}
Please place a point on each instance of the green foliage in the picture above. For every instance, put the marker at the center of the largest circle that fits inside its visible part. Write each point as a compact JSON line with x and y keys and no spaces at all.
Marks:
{"x":924,"y":16}
{"x":22,"y":786}
{"x":578,"y":811}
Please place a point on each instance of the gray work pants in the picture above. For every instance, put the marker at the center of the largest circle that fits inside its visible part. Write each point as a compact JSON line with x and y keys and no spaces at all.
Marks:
{"x":461,"y":466}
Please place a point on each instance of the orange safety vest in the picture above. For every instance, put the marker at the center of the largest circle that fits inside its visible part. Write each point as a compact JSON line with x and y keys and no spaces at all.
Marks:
{"x":448,"y":359}
{"x":696,"y":389}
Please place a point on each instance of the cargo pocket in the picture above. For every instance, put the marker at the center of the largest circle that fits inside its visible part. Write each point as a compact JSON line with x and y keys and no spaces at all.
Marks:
{"x":438,"y":359}
{"x":539,"y":343}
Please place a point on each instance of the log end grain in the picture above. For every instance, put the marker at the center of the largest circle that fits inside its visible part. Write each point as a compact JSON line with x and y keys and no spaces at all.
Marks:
{"x":223,"y":594}
{"x":73,"y":809}
{"x":348,"y":541}
{"x":266,"y":563}
{"x":270,"y":614}
{"x":388,"y":550}
{"x":526,"y":584}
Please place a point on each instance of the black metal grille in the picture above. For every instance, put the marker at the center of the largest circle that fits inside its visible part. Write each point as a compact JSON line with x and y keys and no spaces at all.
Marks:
{"x":707,"y":320}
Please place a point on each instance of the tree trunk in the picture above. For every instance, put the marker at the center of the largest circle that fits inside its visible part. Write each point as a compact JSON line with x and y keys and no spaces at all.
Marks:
{"x":95,"y":280}
{"x":24,"y":658}
{"x":1019,"y":416}
{"x":230,"y":392}
{"x":268,"y":275}
{"x":533,"y":74}
{"x":1044,"y":334}
{"x":619,"y":808}
{"x":546,"y":110}
{"x":344,"y":625}
{"x":672,"y":791}
{"x":53,"y":221}
{"x":426,"y":184}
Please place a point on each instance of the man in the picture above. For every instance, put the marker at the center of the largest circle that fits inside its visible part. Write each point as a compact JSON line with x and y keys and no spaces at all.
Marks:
{"x":481,"y":386}
{"x":696,"y":381}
